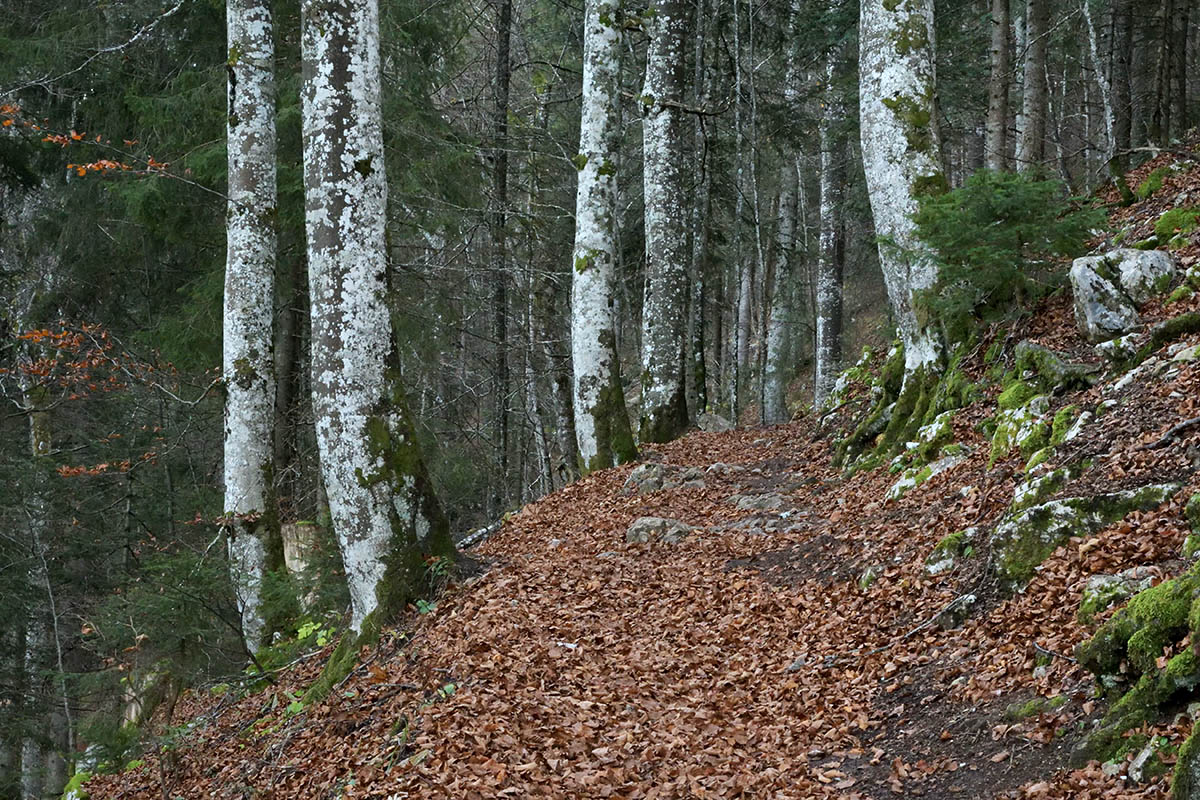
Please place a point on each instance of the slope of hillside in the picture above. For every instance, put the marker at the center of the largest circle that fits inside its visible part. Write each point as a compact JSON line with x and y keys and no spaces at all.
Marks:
{"x":814,"y":634}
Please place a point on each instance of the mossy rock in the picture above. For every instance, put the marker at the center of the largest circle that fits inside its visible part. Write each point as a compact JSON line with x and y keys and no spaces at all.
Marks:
{"x":1141,"y":704}
{"x":1137,"y":634}
{"x":1176,"y":222}
{"x":1185,"y":783}
{"x":1051,"y":371}
{"x":916,"y":475}
{"x":1064,"y":420}
{"x":1164,"y":333}
{"x":74,"y":789}
{"x":1034,"y":706}
{"x":1181,"y":294}
{"x":1023,"y":428}
{"x":1039,"y":489}
{"x":1104,"y":591}
{"x":949,"y":550}
{"x":1024,"y":539}
{"x":1016,"y":395}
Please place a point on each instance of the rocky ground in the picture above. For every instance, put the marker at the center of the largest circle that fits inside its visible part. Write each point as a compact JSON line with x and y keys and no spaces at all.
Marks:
{"x":788,"y":629}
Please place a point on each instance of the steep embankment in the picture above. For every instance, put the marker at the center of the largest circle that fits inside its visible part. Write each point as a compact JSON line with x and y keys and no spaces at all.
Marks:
{"x":816,"y":634}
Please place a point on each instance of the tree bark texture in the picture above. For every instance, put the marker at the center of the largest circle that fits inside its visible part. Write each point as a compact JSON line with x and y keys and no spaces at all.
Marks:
{"x":498,"y":225}
{"x":664,"y":327}
{"x":995,"y":147}
{"x":1031,"y":142}
{"x":248,"y":367}
{"x":383,"y":510}
{"x":831,"y":246}
{"x":898,"y":127}
{"x":602,"y":427}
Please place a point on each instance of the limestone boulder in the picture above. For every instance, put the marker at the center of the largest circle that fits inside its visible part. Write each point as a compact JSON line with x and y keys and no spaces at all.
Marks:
{"x":1102,"y":310}
{"x":1142,"y":273}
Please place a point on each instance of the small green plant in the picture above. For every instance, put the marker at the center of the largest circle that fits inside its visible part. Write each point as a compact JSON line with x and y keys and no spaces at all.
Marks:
{"x":998,"y":240}
{"x":426,"y":606}
{"x":319,"y":633}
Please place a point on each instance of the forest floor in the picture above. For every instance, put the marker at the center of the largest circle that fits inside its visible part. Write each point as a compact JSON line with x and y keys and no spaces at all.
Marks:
{"x":792,"y":645}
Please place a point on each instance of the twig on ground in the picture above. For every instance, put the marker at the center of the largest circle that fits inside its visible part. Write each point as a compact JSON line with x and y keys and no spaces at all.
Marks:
{"x":1172,"y":434}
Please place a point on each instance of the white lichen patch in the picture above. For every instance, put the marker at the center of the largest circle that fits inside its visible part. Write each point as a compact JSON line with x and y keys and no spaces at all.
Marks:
{"x":917,"y":475}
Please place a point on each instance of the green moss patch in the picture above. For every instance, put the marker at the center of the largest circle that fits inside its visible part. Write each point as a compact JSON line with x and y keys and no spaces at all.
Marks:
{"x":1175,"y":222}
{"x":1023,"y":540}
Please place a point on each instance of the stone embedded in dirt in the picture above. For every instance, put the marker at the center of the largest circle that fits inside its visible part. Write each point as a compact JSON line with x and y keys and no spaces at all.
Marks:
{"x":1102,"y":310}
{"x":955,"y":614}
{"x":1142,"y":273}
{"x":798,"y":664}
{"x":721,"y":468}
{"x":711,"y":423}
{"x":644,"y":479}
{"x":1103,"y":591}
{"x":1024,"y":539}
{"x":757,"y":502}
{"x":657,"y":529}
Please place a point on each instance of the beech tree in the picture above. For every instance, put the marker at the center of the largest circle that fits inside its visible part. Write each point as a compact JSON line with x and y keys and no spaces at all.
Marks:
{"x":248,"y":367}
{"x":384,"y":513}
{"x":995,"y":146}
{"x":831,"y":245}
{"x":664,"y":320}
{"x":898,"y":128}
{"x":601,"y":421}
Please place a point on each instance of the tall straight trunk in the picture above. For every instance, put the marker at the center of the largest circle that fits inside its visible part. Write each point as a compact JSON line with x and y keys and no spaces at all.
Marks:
{"x":288,"y":366}
{"x":776,"y":366}
{"x":901,"y":160}
{"x":1103,"y":82}
{"x":831,"y":246}
{"x":743,"y":268}
{"x":701,"y":203}
{"x":1159,"y":129}
{"x":1122,"y":89}
{"x":1179,"y":71}
{"x":497,"y":224}
{"x":601,"y":420}
{"x":1031,"y":144}
{"x":776,"y":369}
{"x":382,"y":506}
{"x":33,"y":749}
{"x":995,"y":146}
{"x":248,"y":368}
{"x":664,"y":325}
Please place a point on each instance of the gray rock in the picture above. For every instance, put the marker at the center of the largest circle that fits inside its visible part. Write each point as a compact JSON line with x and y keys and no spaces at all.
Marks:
{"x":1142,"y":273}
{"x":711,"y":423}
{"x":721,"y":468}
{"x":757,"y":502}
{"x":1102,"y":310}
{"x":1024,"y":539}
{"x":955,"y":614}
{"x":644,"y":479}
{"x":657,"y":529}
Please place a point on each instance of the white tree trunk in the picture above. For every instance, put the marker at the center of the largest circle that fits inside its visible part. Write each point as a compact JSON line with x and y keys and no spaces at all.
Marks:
{"x":828,"y":346}
{"x":996,"y":139}
{"x":664,"y":319}
{"x":898,"y":127}
{"x":601,"y":422}
{"x":1102,"y":81}
{"x":248,"y":364}
{"x":381,"y":505}
{"x":776,"y":362}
